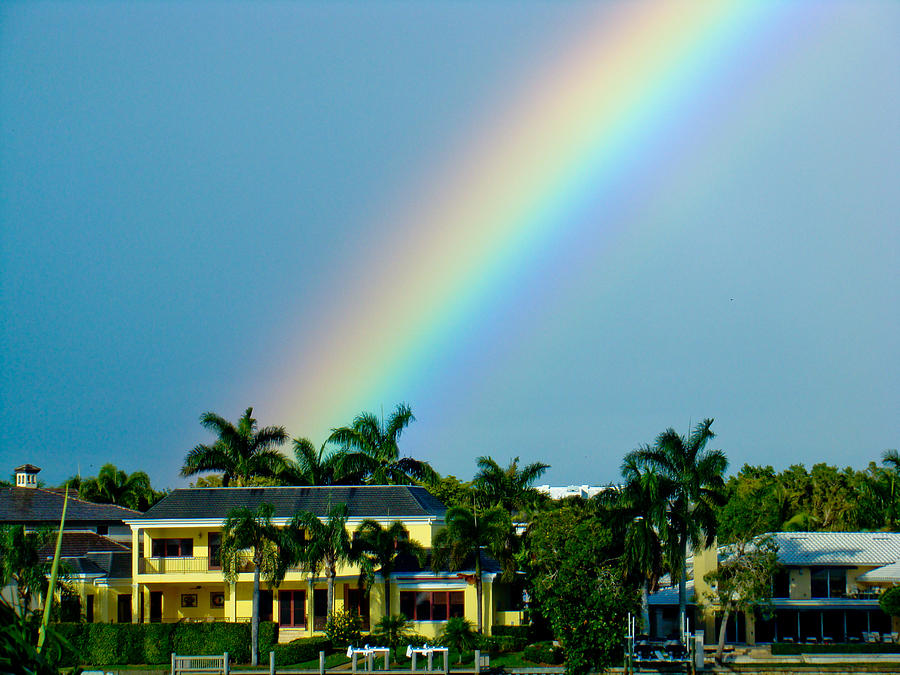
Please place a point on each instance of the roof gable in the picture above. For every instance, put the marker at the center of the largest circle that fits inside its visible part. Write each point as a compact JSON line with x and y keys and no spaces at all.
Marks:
{"x":363,"y":501}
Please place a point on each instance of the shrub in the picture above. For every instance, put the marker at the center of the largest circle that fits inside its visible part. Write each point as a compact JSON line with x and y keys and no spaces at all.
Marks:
{"x":889,"y":601}
{"x":156,"y":642}
{"x":213,"y":638}
{"x":543,"y":652}
{"x":500,"y":644}
{"x":106,"y":644}
{"x":520,"y":632}
{"x":343,"y":628}
{"x":300,"y":650}
{"x":459,"y":634}
{"x":268,"y":636}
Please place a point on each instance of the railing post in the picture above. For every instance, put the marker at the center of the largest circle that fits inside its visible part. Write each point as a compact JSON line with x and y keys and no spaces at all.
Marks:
{"x":173,"y":663}
{"x":353,"y":661}
{"x":446,"y":661}
{"x":272,"y":662}
{"x":477,"y":661}
{"x":387,"y":659}
{"x":321,"y":662}
{"x":430,"y":660}
{"x":226,"y":666}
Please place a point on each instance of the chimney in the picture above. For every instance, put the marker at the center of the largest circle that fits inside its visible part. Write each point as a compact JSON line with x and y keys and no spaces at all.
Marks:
{"x":26,"y":476}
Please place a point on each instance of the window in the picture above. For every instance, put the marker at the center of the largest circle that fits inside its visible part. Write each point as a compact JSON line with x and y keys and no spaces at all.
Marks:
{"x":781,"y":584}
{"x":188,"y":599}
{"x":173,"y":548}
{"x":292,"y":608}
{"x":432,"y":605}
{"x":123,"y":608}
{"x":89,"y":609}
{"x":215,"y":550}
{"x":356,"y":600}
{"x":828,"y":582}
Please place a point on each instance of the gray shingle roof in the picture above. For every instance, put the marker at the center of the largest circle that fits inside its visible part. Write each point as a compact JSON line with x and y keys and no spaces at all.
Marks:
{"x":363,"y":501}
{"x":35,"y":506}
{"x":838,"y":548}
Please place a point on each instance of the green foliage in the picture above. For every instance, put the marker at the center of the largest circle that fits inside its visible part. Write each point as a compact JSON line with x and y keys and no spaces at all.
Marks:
{"x":464,"y":537}
{"x":378,"y":547}
{"x":393,"y":631}
{"x":543,"y":652}
{"x":343,"y":628}
{"x":578,"y":584}
{"x":458,"y":633}
{"x":18,"y":637}
{"x":371,"y":453}
{"x":509,"y":488}
{"x":213,"y":638}
{"x":742,"y":581}
{"x":114,"y":486}
{"x":243,"y":453}
{"x":520,"y":632}
{"x":106,"y":644}
{"x":889,"y":601}
{"x":501,"y":644}
{"x":451,"y":491}
{"x":300,"y":650}
{"x":22,"y":562}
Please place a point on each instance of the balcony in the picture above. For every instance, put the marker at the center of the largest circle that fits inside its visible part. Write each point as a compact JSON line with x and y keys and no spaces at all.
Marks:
{"x":195,"y":565}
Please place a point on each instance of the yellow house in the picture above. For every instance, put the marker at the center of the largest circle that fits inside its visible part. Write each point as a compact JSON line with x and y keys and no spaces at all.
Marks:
{"x":176,"y":572}
{"x":827,"y":589}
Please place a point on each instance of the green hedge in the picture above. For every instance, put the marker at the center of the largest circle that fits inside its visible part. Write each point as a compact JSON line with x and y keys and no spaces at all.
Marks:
{"x":106,"y":644}
{"x":543,"y":652}
{"x":521,"y":632}
{"x":300,"y":650}
{"x":500,"y":644}
{"x":790,"y":649}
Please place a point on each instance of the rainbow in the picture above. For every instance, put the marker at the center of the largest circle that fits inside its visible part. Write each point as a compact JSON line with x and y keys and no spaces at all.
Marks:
{"x":585,"y":121}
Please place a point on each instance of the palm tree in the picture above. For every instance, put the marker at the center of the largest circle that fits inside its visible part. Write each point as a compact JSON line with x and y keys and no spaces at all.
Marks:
{"x":22,"y":562}
{"x":696,"y":485}
{"x":311,"y":466}
{"x":245,"y":529}
{"x":242,"y":453}
{"x":380,"y":547}
{"x":463,"y":538}
{"x":639,"y":508}
{"x":319,"y":545}
{"x":458,"y":633}
{"x":394,"y":630}
{"x":114,"y":486}
{"x":371,"y":450}
{"x":510,"y":488}
{"x":891,"y":458}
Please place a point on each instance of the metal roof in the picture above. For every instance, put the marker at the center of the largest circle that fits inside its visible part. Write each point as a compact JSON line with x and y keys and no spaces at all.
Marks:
{"x":887,"y":573}
{"x":363,"y":501}
{"x":837,"y":548}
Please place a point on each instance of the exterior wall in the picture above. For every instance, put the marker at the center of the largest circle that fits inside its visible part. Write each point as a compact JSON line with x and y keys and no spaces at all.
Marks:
{"x":190,"y":575}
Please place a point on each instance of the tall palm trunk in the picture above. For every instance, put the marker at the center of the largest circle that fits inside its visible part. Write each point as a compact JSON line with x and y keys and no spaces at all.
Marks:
{"x":682,"y":588}
{"x":478,"y":589}
{"x":254,"y":619}
{"x":645,"y":607}
{"x":387,"y":595}
{"x":331,"y":575}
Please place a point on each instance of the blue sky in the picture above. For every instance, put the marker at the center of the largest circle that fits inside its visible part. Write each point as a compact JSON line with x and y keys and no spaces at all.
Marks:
{"x":183,"y":186}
